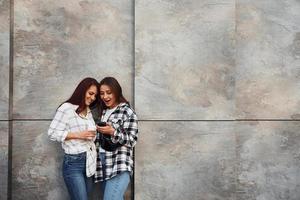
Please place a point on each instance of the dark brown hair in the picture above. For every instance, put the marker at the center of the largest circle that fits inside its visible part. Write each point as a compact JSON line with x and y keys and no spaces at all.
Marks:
{"x":78,"y":96}
{"x":115,"y":88}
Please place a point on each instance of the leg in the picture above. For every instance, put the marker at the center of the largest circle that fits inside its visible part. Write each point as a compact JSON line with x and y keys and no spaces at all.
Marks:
{"x":89,"y":182}
{"x":102,"y":158}
{"x":74,"y":176}
{"x":115,"y":187}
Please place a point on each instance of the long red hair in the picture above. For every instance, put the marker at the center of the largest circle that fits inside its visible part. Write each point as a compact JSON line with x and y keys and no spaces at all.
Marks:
{"x":78,"y":96}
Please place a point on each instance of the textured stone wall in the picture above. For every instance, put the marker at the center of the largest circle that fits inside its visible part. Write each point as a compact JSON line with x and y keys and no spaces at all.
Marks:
{"x":218,"y":91}
{"x":186,"y":160}
{"x":3,"y":159}
{"x":55,"y":45}
{"x":4,"y":95}
{"x":185,"y":59}
{"x":215,"y":85}
{"x":268,"y":59}
{"x":4,"y":58}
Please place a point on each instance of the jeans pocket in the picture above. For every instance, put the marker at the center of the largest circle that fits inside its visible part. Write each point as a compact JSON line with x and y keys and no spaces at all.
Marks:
{"x":72,"y":159}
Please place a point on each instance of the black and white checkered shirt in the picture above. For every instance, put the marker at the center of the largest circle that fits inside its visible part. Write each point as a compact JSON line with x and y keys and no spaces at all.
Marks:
{"x":125,"y":123}
{"x":66,"y":120}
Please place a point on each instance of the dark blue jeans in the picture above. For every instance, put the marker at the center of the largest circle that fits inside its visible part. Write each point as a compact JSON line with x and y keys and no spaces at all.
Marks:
{"x":79,"y":186}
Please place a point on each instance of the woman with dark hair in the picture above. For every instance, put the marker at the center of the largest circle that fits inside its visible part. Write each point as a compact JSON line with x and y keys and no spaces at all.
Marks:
{"x":118,"y":132}
{"x":74,"y":127}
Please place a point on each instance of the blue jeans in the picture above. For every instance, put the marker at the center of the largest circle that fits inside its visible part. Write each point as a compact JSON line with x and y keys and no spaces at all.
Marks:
{"x":78,"y":184}
{"x":114,"y":188}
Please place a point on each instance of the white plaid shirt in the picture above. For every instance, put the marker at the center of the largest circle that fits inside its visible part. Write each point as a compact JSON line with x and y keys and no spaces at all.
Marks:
{"x":125,"y":123}
{"x":66,"y":120}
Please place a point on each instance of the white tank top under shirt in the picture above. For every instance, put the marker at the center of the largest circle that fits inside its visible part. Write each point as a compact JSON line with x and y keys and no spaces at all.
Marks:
{"x":104,"y":118}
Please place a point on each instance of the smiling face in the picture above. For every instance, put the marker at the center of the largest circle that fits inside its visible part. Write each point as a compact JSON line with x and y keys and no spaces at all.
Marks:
{"x":90,"y":95}
{"x":107,"y":96}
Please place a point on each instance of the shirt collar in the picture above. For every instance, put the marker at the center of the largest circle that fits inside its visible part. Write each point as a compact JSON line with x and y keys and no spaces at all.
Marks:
{"x":85,"y":117}
{"x":82,"y":116}
{"x":76,"y":106}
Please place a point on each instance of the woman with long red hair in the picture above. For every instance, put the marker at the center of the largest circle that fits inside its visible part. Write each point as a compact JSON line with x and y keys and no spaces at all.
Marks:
{"x":74,"y":127}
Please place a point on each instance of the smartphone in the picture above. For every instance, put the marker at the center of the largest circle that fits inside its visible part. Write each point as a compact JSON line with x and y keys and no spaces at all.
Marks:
{"x":101,"y":123}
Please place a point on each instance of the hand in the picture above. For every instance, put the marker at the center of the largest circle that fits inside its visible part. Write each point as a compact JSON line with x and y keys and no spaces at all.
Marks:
{"x":106,"y":130}
{"x":87,"y":135}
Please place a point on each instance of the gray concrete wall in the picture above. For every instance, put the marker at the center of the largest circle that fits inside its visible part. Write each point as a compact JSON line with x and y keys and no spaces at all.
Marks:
{"x":214,"y":82}
{"x":4,"y":96}
{"x":3,"y":159}
{"x":4,"y":58}
{"x":185,"y":59}
{"x":268,"y":59}
{"x":215,"y":85}
{"x":56,"y":44}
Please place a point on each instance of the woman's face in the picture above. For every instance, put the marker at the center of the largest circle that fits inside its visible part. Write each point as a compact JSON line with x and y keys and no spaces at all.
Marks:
{"x":107,"y":96}
{"x":90,"y":95}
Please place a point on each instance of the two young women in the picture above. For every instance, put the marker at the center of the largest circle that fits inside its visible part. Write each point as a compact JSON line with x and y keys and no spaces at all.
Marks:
{"x":84,"y":162}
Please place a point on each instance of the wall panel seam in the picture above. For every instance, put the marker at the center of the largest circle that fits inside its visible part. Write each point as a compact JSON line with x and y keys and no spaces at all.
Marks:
{"x":10,"y":98}
{"x":220,"y":120}
{"x":133,"y":90}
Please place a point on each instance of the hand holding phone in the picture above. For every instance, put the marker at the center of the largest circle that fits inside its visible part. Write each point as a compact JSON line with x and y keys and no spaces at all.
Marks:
{"x":101,"y":123}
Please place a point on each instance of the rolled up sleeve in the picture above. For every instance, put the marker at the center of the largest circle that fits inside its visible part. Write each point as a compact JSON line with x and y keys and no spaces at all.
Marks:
{"x":58,"y":129}
{"x":128,"y":133}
